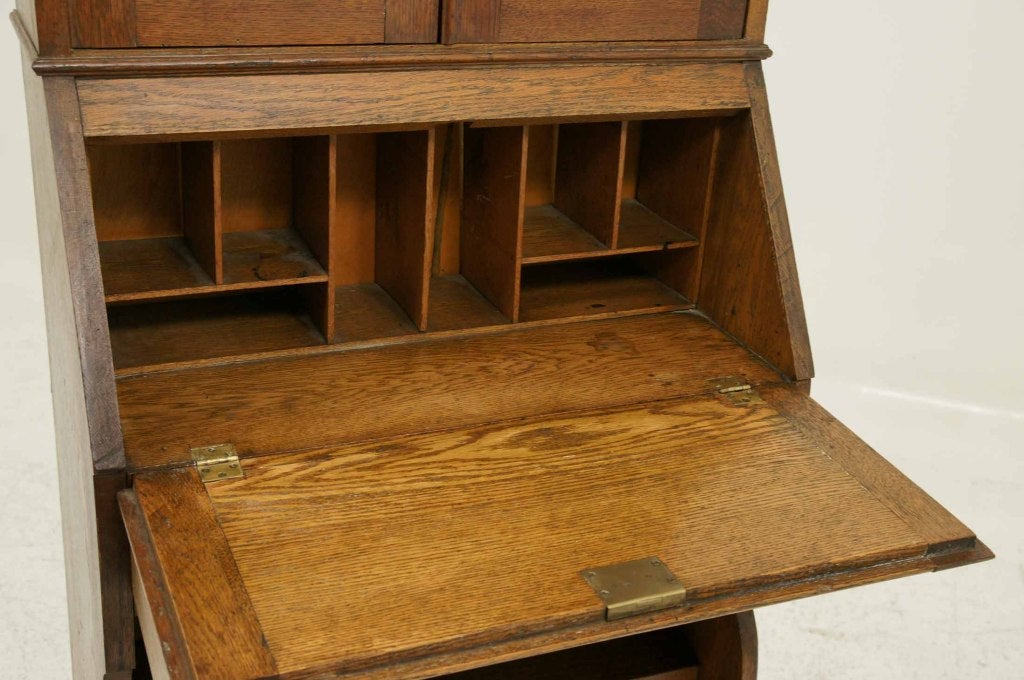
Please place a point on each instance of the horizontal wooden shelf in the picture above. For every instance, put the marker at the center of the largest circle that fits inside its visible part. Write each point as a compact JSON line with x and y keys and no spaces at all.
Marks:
{"x":269,"y":256}
{"x":212,"y":327}
{"x":550,"y":236}
{"x":641,"y":230}
{"x":594,"y":288}
{"x":365,"y":311}
{"x":456,"y":305}
{"x":141,"y":269}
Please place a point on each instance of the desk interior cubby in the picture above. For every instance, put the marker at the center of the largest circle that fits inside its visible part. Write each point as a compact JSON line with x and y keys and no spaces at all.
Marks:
{"x":237,"y":247}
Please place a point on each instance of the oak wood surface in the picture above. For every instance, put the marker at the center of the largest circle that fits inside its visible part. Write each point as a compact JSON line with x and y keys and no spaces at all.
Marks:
{"x":541,"y":162}
{"x":114,"y":570}
{"x":311,"y":59}
{"x":739,"y":239}
{"x":269,"y":255}
{"x":355,"y":209}
{"x":722,"y":19}
{"x":673,"y":479}
{"x":588,"y":181}
{"x":200,"y":107}
{"x":455,"y":304}
{"x":406,"y":209}
{"x":136,"y":191}
{"x":103,"y":23}
{"x":512,"y":21}
{"x":934,"y":523}
{"x":782,"y":240}
{"x":676,"y":165}
{"x":491,"y":238}
{"x":549,"y":235}
{"x":75,"y":240}
{"x":201,"y":205}
{"x":726,"y":647}
{"x":256,"y":184}
{"x":185,"y":23}
{"x":411,"y":21}
{"x":191,"y":329}
{"x":365,"y":311}
{"x":585,"y":288}
{"x":757,"y":15}
{"x":642,"y":228}
{"x":373,"y":393}
{"x":193,"y":578}
{"x":85,"y":419}
{"x":139,"y":268}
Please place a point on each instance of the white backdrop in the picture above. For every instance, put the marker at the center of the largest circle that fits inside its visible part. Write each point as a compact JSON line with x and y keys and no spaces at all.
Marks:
{"x":902,"y":154}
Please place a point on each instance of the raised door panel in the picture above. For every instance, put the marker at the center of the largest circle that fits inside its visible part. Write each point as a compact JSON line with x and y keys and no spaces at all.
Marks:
{"x":200,"y":23}
{"x":519,"y":21}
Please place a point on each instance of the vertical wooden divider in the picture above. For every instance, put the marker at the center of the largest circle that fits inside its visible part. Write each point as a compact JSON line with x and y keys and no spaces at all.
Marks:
{"x":313,"y":175}
{"x":201,"y":205}
{"x":631,"y":162}
{"x":541,"y":158}
{"x":406,"y":213}
{"x":448,"y":189}
{"x":588,"y":183}
{"x":494,"y":201}
{"x":675,"y":180}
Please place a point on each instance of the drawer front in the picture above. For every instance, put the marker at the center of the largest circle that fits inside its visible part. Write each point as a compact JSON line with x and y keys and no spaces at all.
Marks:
{"x":210,"y":23}
{"x":519,"y":21}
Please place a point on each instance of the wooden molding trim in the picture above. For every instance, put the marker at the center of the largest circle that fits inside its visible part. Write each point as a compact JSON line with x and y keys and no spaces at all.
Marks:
{"x":248,"y":61}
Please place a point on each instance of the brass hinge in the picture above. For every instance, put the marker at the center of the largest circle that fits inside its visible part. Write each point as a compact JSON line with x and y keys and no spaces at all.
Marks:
{"x":737,"y":391}
{"x":216,"y":463}
{"x":636,"y":587}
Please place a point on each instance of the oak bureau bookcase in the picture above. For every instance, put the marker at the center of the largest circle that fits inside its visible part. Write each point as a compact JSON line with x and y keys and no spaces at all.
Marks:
{"x":410,"y":338}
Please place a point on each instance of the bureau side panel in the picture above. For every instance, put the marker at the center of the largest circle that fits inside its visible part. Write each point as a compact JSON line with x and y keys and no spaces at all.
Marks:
{"x":100,"y":615}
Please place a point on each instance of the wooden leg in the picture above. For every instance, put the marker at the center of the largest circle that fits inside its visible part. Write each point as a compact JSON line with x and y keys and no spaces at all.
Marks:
{"x":115,"y":578}
{"x":726,"y":648}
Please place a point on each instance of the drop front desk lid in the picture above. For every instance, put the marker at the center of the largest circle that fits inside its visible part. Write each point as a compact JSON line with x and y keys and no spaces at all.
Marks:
{"x":403,"y":538}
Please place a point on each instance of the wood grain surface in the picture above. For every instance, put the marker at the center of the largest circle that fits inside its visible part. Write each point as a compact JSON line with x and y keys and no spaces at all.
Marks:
{"x":102,"y":23}
{"x":782,"y":239}
{"x":192,"y":577}
{"x":373,"y":393}
{"x":934,"y":523}
{"x":491,"y":239}
{"x":136,"y":191}
{"x":411,"y":21}
{"x":726,"y":647}
{"x":588,"y":180}
{"x":339,"y":58}
{"x":750,"y":306}
{"x":538,"y":501}
{"x":238,"y":104}
{"x":530,"y":21}
{"x":185,"y":23}
{"x":406,"y":210}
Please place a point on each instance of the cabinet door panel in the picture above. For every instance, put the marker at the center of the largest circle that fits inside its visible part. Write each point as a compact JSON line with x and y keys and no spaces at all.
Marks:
{"x":513,"y":21}
{"x":195,"y":23}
